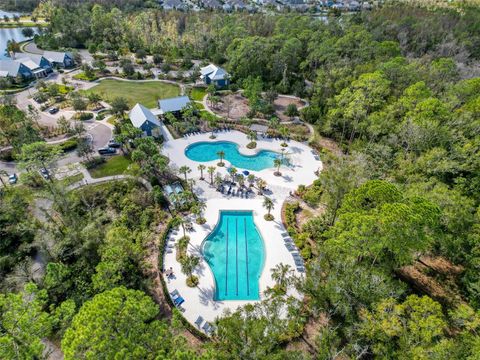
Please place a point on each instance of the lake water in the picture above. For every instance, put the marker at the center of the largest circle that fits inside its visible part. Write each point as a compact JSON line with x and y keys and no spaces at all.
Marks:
{"x":10,"y":34}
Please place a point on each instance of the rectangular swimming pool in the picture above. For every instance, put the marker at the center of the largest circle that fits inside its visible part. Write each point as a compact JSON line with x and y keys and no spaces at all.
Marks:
{"x":234,"y":250}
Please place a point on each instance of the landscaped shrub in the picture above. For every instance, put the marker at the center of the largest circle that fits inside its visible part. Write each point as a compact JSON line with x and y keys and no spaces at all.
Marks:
{"x":6,"y":155}
{"x":98,"y":160}
{"x":68,"y":145}
{"x":85,"y":116}
{"x":32,"y":179}
{"x":290,"y":217}
{"x":84,"y":77}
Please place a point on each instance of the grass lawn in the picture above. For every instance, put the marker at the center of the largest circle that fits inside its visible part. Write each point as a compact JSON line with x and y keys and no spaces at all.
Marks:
{"x":199,"y":106}
{"x":198,"y":93}
{"x":147,"y":93}
{"x":114,"y":165}
{"x":69,"y":180}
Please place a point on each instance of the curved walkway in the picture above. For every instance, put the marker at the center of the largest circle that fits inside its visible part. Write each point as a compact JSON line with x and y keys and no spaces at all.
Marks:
{"x":89,"y":180}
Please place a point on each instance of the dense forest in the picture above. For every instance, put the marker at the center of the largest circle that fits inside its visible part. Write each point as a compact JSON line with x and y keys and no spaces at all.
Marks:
{"x":393,"y":263}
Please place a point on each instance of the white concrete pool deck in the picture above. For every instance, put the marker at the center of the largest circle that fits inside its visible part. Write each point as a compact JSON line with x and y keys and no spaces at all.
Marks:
{"x":199,"y":301}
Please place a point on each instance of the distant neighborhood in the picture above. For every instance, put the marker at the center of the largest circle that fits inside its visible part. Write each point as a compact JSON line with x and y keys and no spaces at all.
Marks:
{"x":265,"y":5}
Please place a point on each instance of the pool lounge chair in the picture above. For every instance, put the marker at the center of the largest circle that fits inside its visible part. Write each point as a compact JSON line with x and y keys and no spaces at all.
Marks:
{"x":301,"y":269}
{"x":207,"y":328}
{"x":290,"y":247}
{"x":174,"y":294}
{"x":285,"y":234}
{"x":229,"y":190}
{"x":199,"y":321}
{"x":178,"y":301}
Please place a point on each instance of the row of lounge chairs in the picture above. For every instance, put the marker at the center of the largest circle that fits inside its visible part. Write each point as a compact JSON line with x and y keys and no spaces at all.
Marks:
{"x":207,"y":327}
{"x":170,"y":243}
{"x":192,"y":133}
{"x":290,"y":245}
{"x":274,"y":137}
{"x":242,"y":193}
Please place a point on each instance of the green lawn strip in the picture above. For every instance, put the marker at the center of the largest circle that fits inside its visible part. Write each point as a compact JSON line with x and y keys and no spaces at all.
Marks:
{"x":147,"y":93}
{"x":69,"y":180}
{"x":199,"y":105}
{"x":198,"y":93}
{"x":115,"y":165}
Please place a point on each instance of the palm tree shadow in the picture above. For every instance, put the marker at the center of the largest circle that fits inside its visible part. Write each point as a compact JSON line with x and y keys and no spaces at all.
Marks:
{"x":207,"y":296}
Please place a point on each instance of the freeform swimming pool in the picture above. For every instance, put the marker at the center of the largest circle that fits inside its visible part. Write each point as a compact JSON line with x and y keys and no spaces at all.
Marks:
{"x":234,"y":251}
{"x":208,"y":151}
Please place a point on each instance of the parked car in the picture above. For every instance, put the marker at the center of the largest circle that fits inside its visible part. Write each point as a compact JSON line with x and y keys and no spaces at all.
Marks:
{"x":12,"y":179}
{"x":107,"y":150}
{"x":113,"y":144}
{"x":53,"y":110}
{"x":45,"y":173}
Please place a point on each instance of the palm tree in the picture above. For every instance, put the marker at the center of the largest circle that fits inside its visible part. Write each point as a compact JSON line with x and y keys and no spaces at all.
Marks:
{"x":191,"y":183}
{"x":277,"y":162}
{"x":211,"y":170}
{"x":218,"y":179}
{"x":284,"y":133}
{"x":221,"y":155}
{"x":281,"y":274}
{"x":252,"y":136}
{"x":189,"y":263}
{"x":185,"y":223}
{"x":240,"y":180}
{"x":200,"y":207}
{"x":274,"y":122}
{"x":251,"y":179}
{"x":268,"y":205}
{"x":233,"y":172}
{"x":185,"y":170}
{"x":201,"y":167}
{"x":261,"y":184}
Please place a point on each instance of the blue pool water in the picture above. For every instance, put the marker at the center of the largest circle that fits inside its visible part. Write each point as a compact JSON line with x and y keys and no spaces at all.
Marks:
{"x":234,"y":251}
{"x":207,"y":151}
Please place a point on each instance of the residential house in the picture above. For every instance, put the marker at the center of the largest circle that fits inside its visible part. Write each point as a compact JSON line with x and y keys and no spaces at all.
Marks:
{"x":38,"y":64}
{"x":14,"y":69}
{"x":215,"y":75}
{"x":173,"y":105}
{"x":174,"y":5}
{"x":143,"y":119}
{"x":211,"y":4}
{"x":59,"y":59}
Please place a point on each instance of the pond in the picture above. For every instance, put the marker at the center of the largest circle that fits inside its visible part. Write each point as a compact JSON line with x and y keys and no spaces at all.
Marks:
{"x":10,"y":34}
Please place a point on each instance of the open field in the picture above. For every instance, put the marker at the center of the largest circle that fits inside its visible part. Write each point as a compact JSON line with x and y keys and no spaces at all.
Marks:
{"x":147,"y":93}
